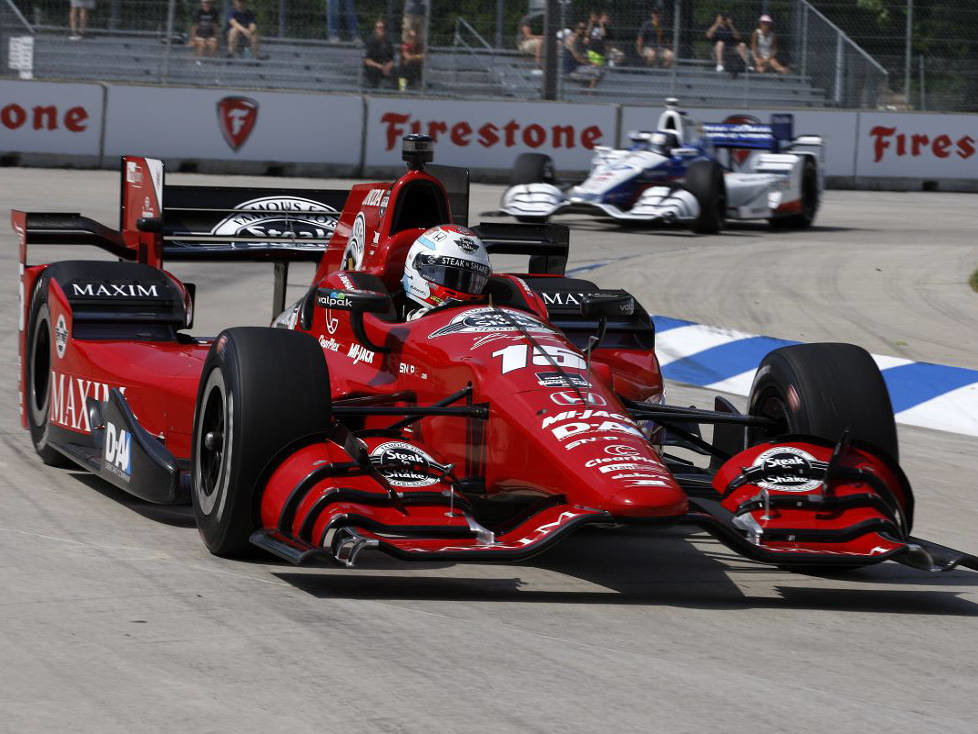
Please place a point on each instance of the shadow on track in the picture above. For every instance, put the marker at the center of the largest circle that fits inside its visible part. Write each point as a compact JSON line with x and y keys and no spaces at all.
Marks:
{"x":664,"y":569}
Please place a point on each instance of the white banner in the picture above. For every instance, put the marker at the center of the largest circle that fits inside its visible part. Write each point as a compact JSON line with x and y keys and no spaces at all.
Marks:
{"x":45,"y":117}
{"x":837,"y":127}
{"x":917,"y":145}
{"x":224,"y":124}
{"x":489,"y":134}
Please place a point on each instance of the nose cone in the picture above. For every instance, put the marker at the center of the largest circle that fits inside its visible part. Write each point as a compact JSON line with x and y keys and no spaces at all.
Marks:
{"x":645,"y":498}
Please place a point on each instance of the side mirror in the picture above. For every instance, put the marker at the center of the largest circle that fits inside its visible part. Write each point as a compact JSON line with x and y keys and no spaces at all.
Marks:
{"x":607,"y":304}
{"x":357,"y":303}
{"x":604,"y":305}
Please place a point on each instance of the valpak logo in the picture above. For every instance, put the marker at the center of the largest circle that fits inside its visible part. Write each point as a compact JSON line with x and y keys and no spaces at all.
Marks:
{"x":236,"y":117}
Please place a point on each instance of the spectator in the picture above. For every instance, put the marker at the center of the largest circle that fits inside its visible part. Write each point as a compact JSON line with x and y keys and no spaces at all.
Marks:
{"x":764,"y":47}
{"x":413,"y":19}
{"x":649,"y":43}
{"x":333,"y":20}
{"x":577,"y":66}
{"x":203,"y":32}
{"x":412,"y":60}
{"x":378,"y":59}
{"x":601,"y":48}
{"x":242,"y":28}
{"x":529,"y":41}
{"x":78,"y":18}
{"x":726,"y":38}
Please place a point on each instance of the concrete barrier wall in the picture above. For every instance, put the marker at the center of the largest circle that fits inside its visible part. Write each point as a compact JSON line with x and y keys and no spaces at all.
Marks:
{"x":222,"y":130}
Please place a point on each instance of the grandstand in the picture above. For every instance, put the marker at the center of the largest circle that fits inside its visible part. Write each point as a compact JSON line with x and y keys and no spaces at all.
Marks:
{"x":450,"y":71}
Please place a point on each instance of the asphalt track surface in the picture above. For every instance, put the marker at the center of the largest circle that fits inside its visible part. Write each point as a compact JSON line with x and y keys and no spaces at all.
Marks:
{"x":114,"y":618}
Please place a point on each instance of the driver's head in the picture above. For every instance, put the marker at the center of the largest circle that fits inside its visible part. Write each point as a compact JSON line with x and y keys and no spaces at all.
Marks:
{"x":446,"y":263}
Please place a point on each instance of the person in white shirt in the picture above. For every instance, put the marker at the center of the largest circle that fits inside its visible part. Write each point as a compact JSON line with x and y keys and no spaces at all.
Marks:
{"x":764,"y":47}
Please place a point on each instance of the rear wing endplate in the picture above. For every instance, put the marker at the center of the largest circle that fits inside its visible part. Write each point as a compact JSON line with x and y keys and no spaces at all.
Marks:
{"x":751,"y":135}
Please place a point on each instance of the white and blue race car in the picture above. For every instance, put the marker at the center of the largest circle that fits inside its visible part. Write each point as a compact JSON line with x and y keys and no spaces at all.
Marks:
{"x":685,"y":172}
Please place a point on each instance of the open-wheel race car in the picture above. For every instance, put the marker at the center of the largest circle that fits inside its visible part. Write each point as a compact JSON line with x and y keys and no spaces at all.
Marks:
{"x":479,"y":430}
{"x":684,"y":172}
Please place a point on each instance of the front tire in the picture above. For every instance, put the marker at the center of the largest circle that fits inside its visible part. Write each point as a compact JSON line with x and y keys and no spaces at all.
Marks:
{"x":704,"y":180}
{"x":261,"y":390}
{"x":532,"y":168}
{"x":809,"y":201}
{"x":821,"y":390}
{"x":40,"y":354}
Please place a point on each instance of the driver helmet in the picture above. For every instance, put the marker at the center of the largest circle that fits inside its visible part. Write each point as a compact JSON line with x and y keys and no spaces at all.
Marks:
{"x":446,"y":263}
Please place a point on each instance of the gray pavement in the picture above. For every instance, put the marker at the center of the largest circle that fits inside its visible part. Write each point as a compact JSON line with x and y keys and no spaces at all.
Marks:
{"x":114,"y":618}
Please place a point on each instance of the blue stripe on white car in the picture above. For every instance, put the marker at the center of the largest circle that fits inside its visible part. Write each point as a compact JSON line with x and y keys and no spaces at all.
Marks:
{"x":923,"y":394}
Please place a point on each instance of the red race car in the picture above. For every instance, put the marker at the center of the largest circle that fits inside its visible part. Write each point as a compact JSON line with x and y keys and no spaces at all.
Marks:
{"x":485,"y":428}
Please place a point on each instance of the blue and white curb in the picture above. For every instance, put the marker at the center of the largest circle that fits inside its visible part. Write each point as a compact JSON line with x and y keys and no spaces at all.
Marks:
{"x":923,"y":394}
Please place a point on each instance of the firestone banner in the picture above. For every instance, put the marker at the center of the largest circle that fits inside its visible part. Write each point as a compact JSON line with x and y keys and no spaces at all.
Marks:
{"x":487,"y":134}
{"x":918,"y":145}
{"x":46,"y":117}
{"x":223,"y":124}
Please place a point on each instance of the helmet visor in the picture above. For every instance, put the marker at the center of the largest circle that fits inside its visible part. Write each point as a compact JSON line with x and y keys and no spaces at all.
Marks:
{"x":460,"y":275}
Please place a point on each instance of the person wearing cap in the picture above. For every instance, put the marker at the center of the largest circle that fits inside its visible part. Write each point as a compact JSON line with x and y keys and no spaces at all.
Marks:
{"x":203,"y":32}
{"x":764,"y":46}
{"x":726,"y":38}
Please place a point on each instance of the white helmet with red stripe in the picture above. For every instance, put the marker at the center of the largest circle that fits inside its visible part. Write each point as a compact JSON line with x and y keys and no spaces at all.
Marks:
{"x":446,"y":263}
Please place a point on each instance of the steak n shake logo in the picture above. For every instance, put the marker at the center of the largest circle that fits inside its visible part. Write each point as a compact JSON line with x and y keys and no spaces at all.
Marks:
{"x":236,"y":117}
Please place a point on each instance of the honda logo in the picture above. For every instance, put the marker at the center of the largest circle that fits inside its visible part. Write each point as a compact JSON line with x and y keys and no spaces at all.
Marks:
{"x":574,"y":397}
{"x":236,"y":117}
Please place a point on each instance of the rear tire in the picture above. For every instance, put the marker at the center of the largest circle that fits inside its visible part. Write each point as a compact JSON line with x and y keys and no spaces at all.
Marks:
{"x":704,"y":180}
{"x":532,"y":168}
{"x":261,"y":390}
{"x":820,"y":390}
{"x":40,"y":356}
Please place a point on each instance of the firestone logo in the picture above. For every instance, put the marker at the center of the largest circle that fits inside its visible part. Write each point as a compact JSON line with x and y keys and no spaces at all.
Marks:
{"x":491,"y":134}
{"x":236,"y":117}
{"x":887,"y":141}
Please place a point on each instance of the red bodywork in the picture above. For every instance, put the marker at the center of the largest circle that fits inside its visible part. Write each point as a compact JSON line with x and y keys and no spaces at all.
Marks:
{"x":559,"y":443}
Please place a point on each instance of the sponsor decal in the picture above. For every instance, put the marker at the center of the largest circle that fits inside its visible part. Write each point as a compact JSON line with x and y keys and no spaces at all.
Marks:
{"x":415,"y":462}
{"x":483,"y":340}
{"x":578,"y":423}
{"x":556,"y":379}
{"x":290,"y":218}
{"x":61,"y":336}
{"x":359,"y":353}
{"x":888,"y":142}
{"x":236,"y":118}
{"x":346,"y":280}
{"x":490,"y":319}
{"x":613,"y":459}
{"x":787,"y":469}
{"x":624,"y":467}
{"x":568,"y":397}
{"x":490,"y":134}
{"x":353,"y":254}
{"x":466,"y":244}
{"x":410,"y":369}
{"x":331,"y":344}
{"x":118,"y":451}
{"x":67,"y":395}
{"x":590,"y":439}
{"x":376,"y":197}
{"x":620,"y":450}
{"x":334,"y":299}
{"x":637,"y":479}
{"x":115,"y":290}
{"x":562,"y":298}
{"x":134,"y":173}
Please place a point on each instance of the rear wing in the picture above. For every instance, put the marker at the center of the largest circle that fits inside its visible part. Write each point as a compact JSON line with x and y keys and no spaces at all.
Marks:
{"x":752,"y":135}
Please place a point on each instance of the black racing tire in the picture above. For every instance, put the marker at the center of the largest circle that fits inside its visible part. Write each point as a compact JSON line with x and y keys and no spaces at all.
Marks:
{"x":704,"y":180}
{"x":261,"y":390}
{"x":820,"y":390}
{"x":810,"y":201}
{"x":40,"y":356}
{"x":532,"y":168}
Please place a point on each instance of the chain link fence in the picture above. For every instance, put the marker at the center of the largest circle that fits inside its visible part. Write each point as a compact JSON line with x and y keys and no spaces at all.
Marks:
{"x":837,"y":53}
